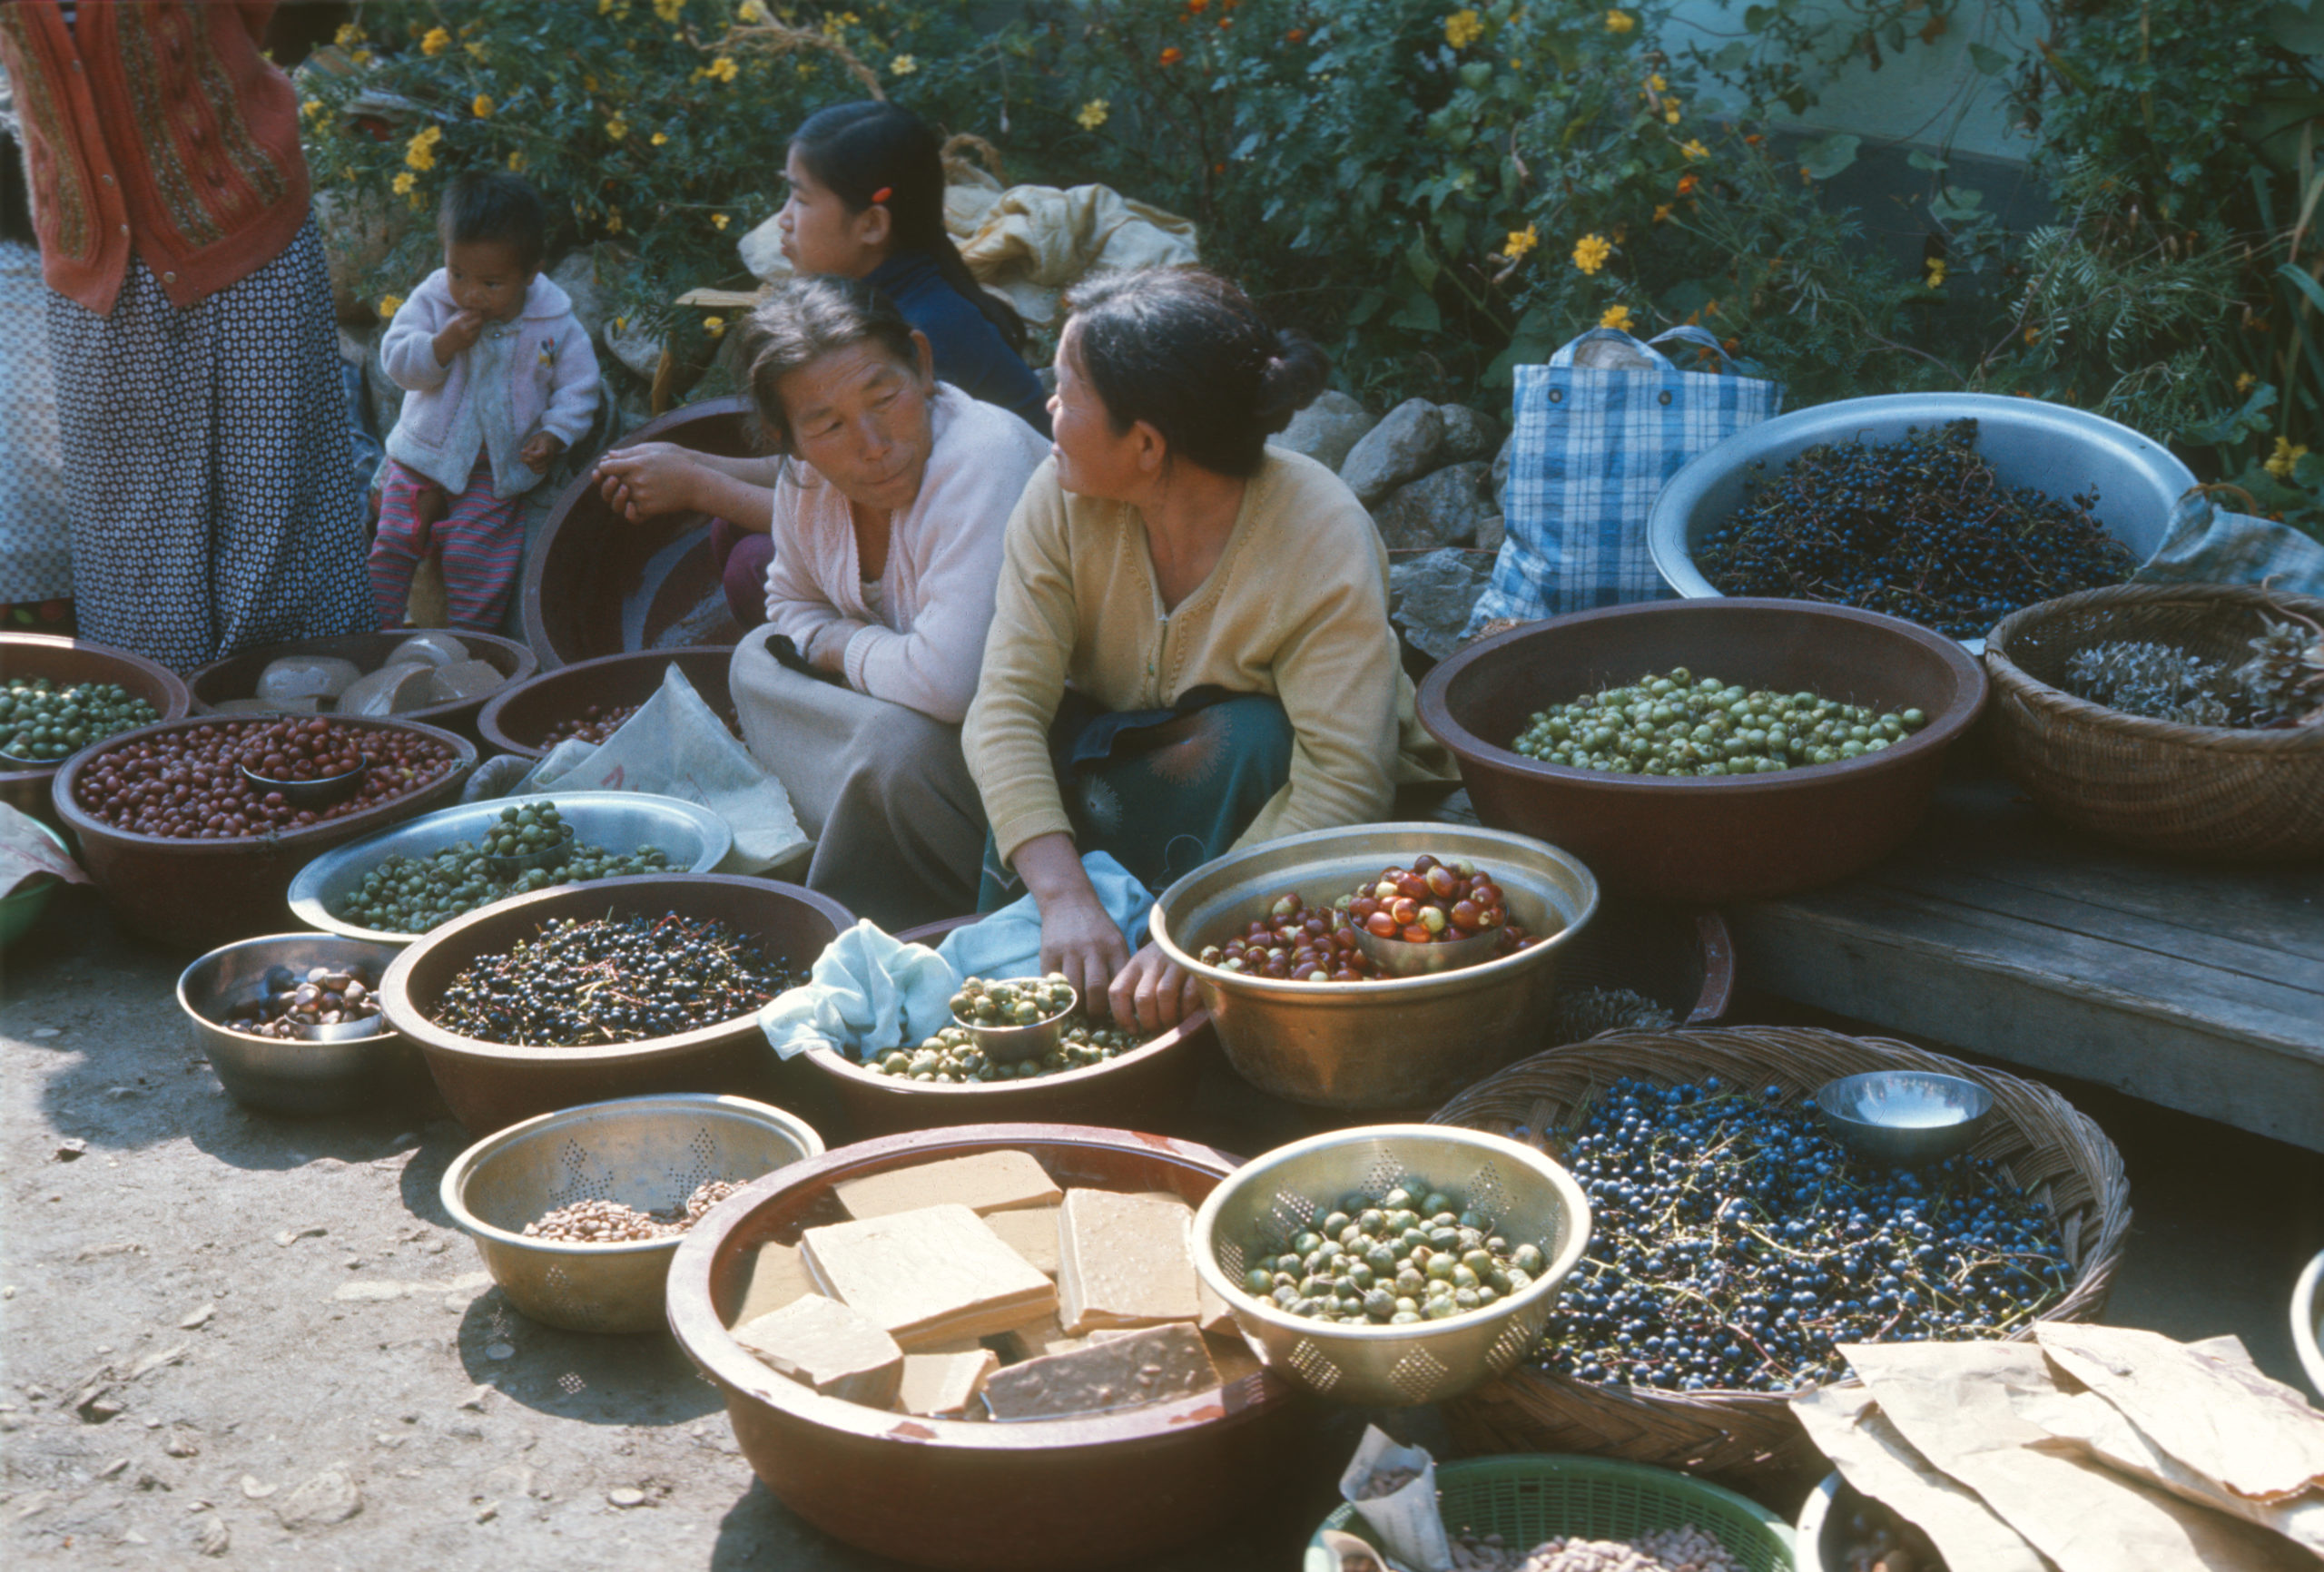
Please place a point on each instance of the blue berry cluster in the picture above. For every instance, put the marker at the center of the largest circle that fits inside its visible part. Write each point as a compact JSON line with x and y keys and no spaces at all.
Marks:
{"x":1920,"y":529}
{"x":1734,"y":1243}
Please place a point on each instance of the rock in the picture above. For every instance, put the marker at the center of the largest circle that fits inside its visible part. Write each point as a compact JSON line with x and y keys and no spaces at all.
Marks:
{"x":635,"y":347}
{"x":211,"y":1537}
{"x":1441,"y":509}
{"x":499,"y":1350}
{"x":157,"y":1359}
{"x":198,"y":1319}
{"x":1431,"y":597}
{"x":110,"y":1470}
{"x":45,"y":1032}
{"x":182,"y":1443}
{"x":1326,"y":430}
{"x":1468,"y":433}
{"x":1403,"y":447}
{"x":627,"y":1496}
{"x":488,"y":1512}
{"x":292,"y":1236}
{"x":330,"y":1497}
{"x":256,"y":1491}
{"x":576,"y":275}
{"x":71,"y":1147}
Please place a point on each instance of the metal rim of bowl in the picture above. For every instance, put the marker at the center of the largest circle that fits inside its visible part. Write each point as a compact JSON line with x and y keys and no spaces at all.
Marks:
{"x":82,"y":822}
{"x":179,"y":707}
{"x":1266,"y":1312}
{"x":2308,"y":1321}
{"x":1666,"y":541}
{"x":521,"y":656}
{"x":1942,"y":729}
{"x":307,"y":905}
{"x":395,"y":998}
{"x":838,"y":1063}
{"x":731,"y":1366}
{"x":324,"y":791}
{"x":452,"y":1189}
{"x":1386,"y":988}
{"x":1826,"y":1099}
{"x":387,"y":1031}
{"x":1807,"y":1543}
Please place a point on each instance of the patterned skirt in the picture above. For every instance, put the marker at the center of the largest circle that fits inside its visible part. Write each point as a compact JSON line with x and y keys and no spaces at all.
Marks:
{"x":206,"y":457}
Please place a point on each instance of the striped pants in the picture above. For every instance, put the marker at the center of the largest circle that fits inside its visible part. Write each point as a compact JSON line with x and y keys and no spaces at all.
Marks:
{"x":482,"y":542}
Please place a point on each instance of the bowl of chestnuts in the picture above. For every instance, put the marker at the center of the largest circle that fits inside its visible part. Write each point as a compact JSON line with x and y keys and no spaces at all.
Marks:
{"x":292,"y":1024}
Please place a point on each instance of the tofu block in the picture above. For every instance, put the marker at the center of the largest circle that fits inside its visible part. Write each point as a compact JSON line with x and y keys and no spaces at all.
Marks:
{"x":928,"y":1277}
{"x":987,"y":1182}
{"x":1215,"y":1319}
{"x":942,"y":1385}
{"x":1030,"y":1232}
{"x":1041,"y":1337}
{"x":823,"y":1344}
{"x":1123,"y":1260}
{"x":1156,"y":1364}
{"x":776,"y":1277}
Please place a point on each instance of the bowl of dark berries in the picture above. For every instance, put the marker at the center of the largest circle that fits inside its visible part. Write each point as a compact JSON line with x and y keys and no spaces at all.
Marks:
{"x":617,"y":988}
{"x":1950,"y":510}
{"x":438,"y":678}
{"x":424,"y":872}
{"x":59,"y":696}
{"x":1736,"y":1244}
{"x":1711,"y":751}
{"x":1270,"y":934}
{"x":188,"y":852}
{"x":577,"y":1214}
{"x":589,"y":699}
{"x":291,"y":1024}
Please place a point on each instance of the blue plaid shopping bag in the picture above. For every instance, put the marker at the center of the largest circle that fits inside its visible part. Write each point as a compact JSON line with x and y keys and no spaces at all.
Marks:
{"x":1593,"y":446}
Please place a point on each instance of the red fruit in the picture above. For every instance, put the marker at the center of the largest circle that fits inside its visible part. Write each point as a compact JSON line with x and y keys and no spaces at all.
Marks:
{"x":1465,"y":915}
{"x":1345,"y":974}
{"x":1306,"y":971}
{"x":1362,"y":907}
{"x":1412,"y":887}
{"x":1492,"y":917}
{"x":1403,"y":911}
{"x":1486,"y":893}
{"x":1416,"y":933}
{"x":1442,"y":882}
{"x":1424,"y":862}
{"x":1344,"y":941}
{"x":1380,"y":925}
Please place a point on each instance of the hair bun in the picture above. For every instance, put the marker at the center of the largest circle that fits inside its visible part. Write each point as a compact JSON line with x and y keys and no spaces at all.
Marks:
{"x":1293,"y":375}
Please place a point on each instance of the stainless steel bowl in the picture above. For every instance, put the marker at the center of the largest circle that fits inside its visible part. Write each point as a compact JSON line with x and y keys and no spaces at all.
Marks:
{"x":691,"y":836}
{"x":650,"y":1152}
{"x":298,"y":1075}
{"x":1403,"y":1043}
{"x":1400,"y":957}
{"x":324,"y":791}
{"x":2308,"y":1321}
{"x":1907,"y":1117}
{"x":1271,"y":1198}
{"x":522,"y":862}
{"x":1013,"y":1045}
{"x":2059,"y":450}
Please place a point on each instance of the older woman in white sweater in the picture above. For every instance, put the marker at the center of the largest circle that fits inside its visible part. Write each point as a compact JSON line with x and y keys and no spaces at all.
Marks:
{"x":888,"y":526}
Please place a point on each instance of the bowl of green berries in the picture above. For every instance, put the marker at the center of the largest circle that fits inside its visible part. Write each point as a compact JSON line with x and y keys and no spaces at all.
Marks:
{"x":60,"y":695}
{"x":413,"y":879}
{"x":1705,"y":752}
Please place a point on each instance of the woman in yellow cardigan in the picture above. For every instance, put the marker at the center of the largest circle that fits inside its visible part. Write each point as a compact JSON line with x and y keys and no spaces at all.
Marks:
{"x":1191,"y":649}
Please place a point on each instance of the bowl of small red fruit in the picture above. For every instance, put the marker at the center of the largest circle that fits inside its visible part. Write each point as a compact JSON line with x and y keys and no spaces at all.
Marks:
{"x":1381,"y":965}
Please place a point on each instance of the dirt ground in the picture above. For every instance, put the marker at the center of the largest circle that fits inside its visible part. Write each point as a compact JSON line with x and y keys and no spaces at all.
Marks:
{"x":233,"y":1339}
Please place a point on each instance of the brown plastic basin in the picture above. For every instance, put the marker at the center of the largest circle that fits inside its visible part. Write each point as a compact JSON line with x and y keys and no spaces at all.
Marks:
{"x":1704,"y":841}
{"x":976,"y":1496}
{"x":596,"y":583}
{"x":236,"y":677}
{"x":196,"y":895}
{"x":515,"y":719}
{"x":489,"y":1086}
{"x":65,"y":660}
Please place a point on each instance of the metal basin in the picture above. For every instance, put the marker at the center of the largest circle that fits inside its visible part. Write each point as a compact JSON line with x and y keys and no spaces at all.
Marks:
{"x":691,"y":836}
{"x":2057,"y":450}
{"x":649,"y":1153}
{"x":67,"y":661}
{"x":1272,"y":1198}
{"x":299,"y":1076}
{"x":1401,"y":1043}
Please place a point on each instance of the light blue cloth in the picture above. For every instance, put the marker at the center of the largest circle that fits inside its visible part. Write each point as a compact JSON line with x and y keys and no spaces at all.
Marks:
{"x":871,"y":989}
{"x":2205,"y":544}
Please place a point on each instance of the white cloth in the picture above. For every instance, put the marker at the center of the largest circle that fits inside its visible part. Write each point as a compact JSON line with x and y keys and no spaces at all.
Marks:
{"x":921,"y":646}
{"x":548,"y":379}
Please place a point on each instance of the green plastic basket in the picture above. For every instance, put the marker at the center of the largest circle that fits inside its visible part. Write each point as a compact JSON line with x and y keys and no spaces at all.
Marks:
{"x":1527,"y":1498}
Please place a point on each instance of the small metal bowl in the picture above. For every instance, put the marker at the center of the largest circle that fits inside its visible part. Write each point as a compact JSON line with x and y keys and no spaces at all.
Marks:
{"x":522,"y":862}
{"x":326,"y":1074}
{"x":2308,"y":1321}
{"x":327,"y":791}
{"x":1013,"y":1045}
{"x":649,"y":1153}
{"x":1905,"y":1117}
{"x":1275,"y":1196}
{"x":1401,"y":958}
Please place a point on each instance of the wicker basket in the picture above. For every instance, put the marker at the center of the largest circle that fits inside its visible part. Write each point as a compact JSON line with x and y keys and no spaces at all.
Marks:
{"x":2200,"y":791}
{"x":2055,"y":1155}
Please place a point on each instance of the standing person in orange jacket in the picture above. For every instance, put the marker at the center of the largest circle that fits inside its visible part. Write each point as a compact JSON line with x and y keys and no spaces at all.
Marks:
{"x":214,"y":507}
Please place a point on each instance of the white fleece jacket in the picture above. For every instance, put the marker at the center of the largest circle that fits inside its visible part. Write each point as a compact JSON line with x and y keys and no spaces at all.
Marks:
{"x":925,"y":644}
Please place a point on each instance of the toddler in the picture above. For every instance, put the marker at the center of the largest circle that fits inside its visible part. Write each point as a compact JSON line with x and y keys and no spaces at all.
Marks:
{"x":500,"y":380}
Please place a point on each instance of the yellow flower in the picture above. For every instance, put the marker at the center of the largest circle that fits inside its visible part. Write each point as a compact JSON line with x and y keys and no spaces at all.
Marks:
{"x":420,"y":150}
{"x":2285,"y":459}
{"x":1661,"y":211}
{"x":616,"y":128}
{"x":714,"y":326}
{"x":1590,"y":252}
{"x":1618,"y":317}
{"x":1670,"y":114}
{"x":1519,"y":242}
{"x":721,"y":69}
{"x":1620,"y":21}
{"x":1463,"y":28}
{"x":516,"y":162}
{"x":750,"y":10}
{"x":667,"y":10}
{"x":311,"y":108}
{"x":1693,"y":148}
{"x":389,"y":305}
{"x":476,"y":47}
{"x":1657,"y":84}
{"x":613,"y":221}
{"x":482,"y":107}
{"x":361,"y":57}
{"x":2244,"y":383}
{"x":603,"y":7}
{"x":902,"y":65}
{"x":403,"y":182}
{"x":347,"y":34}
{"x":660,"y":137}
{"x":1935,"y":279}
{"x":1093,"y":113}
{"x":718,"y":220}
{"x":436,"y":43}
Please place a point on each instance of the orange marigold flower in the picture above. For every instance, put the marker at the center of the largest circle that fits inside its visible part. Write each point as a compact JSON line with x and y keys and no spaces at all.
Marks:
{"x":1196,"y":7}
{"x":1296,"y":35}
{"x":1172,"y":55}
{"x":1686,"y":183}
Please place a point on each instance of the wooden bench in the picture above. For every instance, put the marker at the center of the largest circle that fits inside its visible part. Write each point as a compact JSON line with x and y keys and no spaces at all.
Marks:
{"x":2199,"y":987}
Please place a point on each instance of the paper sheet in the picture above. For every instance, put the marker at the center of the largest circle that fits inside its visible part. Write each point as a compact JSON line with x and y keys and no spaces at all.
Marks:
{"x":1847,"y":1425}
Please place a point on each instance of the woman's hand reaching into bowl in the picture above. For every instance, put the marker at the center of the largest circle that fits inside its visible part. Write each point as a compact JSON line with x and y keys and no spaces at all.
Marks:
{"x":1153,"y":993}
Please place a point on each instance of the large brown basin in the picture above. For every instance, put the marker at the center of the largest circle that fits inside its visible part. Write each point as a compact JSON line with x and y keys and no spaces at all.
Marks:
{"x":515,"y":719}
{"x":68,"y":661}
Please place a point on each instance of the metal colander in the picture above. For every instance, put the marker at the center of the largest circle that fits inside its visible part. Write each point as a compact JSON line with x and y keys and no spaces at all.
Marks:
{"x":649,"y":1153}
{"x":1269,"y":1200}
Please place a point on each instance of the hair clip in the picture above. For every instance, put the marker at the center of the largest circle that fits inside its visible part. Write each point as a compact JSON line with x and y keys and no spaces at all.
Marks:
{"x":884,"y":193}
